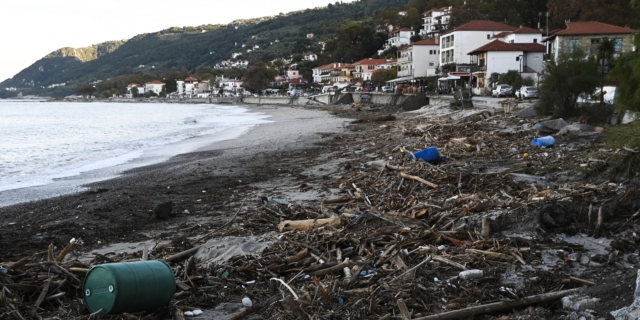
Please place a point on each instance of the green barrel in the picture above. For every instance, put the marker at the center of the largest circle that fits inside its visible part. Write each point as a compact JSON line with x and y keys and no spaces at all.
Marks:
{"x":129,"y":287}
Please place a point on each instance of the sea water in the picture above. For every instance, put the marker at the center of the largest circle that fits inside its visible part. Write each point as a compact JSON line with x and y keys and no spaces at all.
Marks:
{"x":42,"y":143}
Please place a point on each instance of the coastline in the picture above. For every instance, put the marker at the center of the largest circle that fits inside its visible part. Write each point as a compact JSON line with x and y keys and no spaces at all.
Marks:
{"x":109,"y":203}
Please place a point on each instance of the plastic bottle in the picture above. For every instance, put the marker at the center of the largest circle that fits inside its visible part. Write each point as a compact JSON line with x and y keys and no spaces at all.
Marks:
{"x":428,"y":155}
{"x":547,"y":141}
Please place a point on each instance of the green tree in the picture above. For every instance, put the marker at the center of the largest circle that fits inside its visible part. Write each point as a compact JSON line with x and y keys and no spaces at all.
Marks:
{"x":626,"y":75}
{"x":380,"y":77}
{"x":258,"y":77}
{"x":564,"y":81}
{"x":512,"y":78}
{"x":135,"y":92}
{"x":86,"y":90}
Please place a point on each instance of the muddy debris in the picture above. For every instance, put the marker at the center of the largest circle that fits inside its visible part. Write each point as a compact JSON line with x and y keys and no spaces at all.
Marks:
{"x":498,"y":229}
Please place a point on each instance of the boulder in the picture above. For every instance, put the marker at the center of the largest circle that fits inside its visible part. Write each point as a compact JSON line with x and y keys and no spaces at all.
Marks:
{"x":631,"y":312}
{"x":551,"y":126}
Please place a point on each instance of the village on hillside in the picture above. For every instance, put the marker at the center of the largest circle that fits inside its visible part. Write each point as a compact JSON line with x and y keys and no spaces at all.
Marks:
{"x":437,"y":58}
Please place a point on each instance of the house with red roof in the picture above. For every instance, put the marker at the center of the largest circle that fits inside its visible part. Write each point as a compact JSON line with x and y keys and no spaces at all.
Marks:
{"x":155,"y":86}
{"x":434,"y":22}
{"x":130,"y":87}
{"x":456,"y":43}
{"x":588,"y":35}
{"x":322,"y":74}
{"x":365,"y":68}
{"x":498,"y":57}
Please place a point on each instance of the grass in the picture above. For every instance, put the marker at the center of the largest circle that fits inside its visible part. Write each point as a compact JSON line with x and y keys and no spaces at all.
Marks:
{"x":625,"y":136}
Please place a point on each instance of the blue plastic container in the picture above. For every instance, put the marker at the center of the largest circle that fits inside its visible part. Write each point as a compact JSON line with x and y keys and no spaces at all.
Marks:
{"x":547,"y":141}
{"x":428,"y":155}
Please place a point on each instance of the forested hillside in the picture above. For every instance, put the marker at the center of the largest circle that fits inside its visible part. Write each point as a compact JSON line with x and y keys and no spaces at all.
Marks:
{"x":349,"y":31}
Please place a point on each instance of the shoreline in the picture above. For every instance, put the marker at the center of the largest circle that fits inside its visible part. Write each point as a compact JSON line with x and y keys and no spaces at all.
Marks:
{"x":292,"y":129}
{"x":74,"y":183}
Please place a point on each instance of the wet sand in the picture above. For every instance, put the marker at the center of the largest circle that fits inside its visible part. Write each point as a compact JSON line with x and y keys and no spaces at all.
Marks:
{"x":201,"y":184}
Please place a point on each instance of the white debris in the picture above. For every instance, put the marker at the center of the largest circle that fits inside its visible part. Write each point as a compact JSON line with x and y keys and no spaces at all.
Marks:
{"x":197,"y":312}
{"x":247,"y":302}
{"x":471,"y":274}
{"x":188,"y":314}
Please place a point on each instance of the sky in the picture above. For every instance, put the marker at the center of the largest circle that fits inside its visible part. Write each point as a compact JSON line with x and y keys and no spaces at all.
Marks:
{"x":35,"y":28}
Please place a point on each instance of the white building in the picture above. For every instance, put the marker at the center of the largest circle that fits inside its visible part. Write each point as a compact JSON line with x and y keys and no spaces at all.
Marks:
{"x":399,"y":38}
{"x":499,"y":57}
{"x":155,"y":86}
{"x":434,"y":22}
{"x":419,"y":59}
{"x":322,"y":74}
{"x":309,"y":56}
{"x":456,"y":43}
{"x":134,"y":85}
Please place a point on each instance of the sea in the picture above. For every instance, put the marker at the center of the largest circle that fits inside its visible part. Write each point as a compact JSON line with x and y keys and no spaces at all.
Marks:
{"x":49,"y":149}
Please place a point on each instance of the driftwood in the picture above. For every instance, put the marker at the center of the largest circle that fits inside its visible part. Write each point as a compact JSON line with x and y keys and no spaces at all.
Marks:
{"x":491,"y":307}
{"x":303,"y":225}
{"x":425,"y":182}
{"x":375,"y":119}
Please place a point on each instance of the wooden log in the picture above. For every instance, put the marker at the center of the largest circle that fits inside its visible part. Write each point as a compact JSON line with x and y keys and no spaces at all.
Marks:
{"x":183,"y":254}
{"x":43,"y":294}
{"x":295,"y":308}
{"x":298,"y":256}
{"x":64,"y":251}
{"x":598,"y":230}
{"x":503,"y":305}
{"x":19,"y":264}
{"x":336,"y":268}
{"x":490,"y":254}
{"x":338,"y":200}
{"x":590,"y":222}
{"x":449,"y":262}
{"x":304,"y":225}
{"x":404,"y":312}
{"x":582,"y":281}
{"x":425,"y":182}
{"x":486,"y":227}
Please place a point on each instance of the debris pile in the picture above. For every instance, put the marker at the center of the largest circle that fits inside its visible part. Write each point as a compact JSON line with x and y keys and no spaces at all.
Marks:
{"x":490,"y":227}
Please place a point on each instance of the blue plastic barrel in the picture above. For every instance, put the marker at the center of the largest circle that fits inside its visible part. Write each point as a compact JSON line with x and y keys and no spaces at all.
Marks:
{"x":547,"y":141}
{"x":428,"y":155}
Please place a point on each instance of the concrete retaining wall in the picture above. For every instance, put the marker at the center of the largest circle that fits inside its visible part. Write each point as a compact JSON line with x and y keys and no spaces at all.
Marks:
{"x":379,"y":98}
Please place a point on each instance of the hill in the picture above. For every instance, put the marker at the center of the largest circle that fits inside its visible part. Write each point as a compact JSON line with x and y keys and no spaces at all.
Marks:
{"x":191,"y":48}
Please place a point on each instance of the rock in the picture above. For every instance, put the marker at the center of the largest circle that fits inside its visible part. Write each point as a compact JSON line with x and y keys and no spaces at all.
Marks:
{"x":247,"y":302}
{"x":528,"y":112}
{"x":631,"y":312}
{"x":630,"y":116}
{"x":576,"y":129}
{"x":579,"y":302}
{"x":551,"y":126}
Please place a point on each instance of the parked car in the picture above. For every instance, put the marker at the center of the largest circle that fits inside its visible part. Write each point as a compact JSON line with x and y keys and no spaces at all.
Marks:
{"x":527,"y":92}
{"x":502,"y":90}
{"x":387,"y":89}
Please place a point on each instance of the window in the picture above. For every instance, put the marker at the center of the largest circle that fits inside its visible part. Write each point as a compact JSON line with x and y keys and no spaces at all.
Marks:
{"x":535,"y":40}
{"x":573,"y":45}
{"x":617,"y":45}
{"x":430,"y":64}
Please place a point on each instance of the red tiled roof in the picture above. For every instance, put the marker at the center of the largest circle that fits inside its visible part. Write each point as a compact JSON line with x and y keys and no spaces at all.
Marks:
{"x":484,"y":25}
{"x":436,"y":9}
{"x":527,"y":30}
{"x":155,"y":82}
{"x":298,"y":80}
{"x":374,"y":61}
{"x":404,"y":47}
{"x":501,"y":34}
{"x":498,"y":45}
{"x":190,"y":79}
{"x":132,"y":85}
{"x":592,"y":27}
{"x":348,"y":66}
{"x":531,"y":47}
{"x":427,"y":42}
{"x":328,"y":66}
